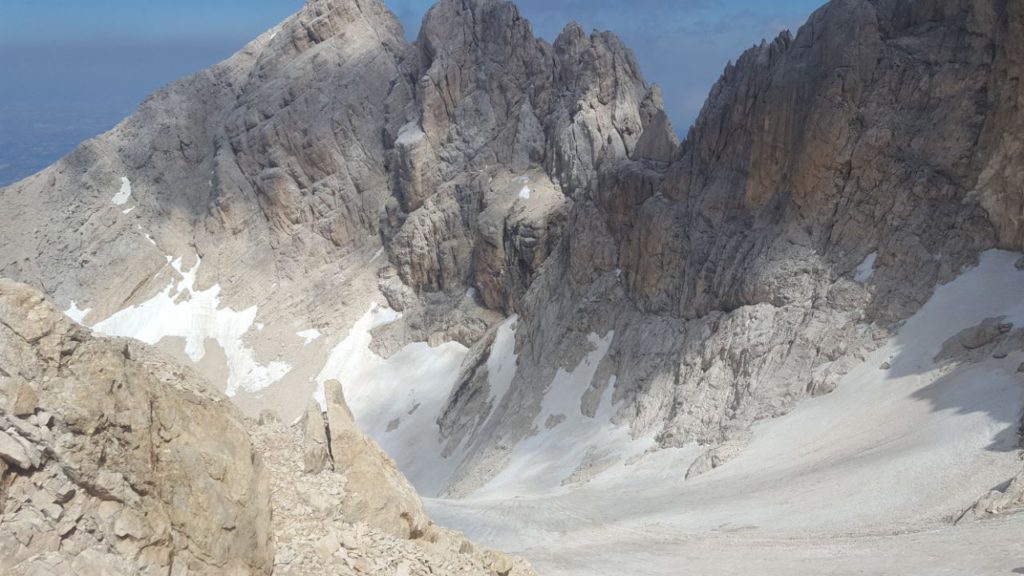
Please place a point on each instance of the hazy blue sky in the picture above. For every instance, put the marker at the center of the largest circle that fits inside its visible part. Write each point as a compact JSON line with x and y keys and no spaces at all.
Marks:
{"x":70,"y":69}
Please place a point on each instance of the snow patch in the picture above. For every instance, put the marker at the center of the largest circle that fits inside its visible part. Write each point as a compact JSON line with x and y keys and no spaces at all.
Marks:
{"x":866,"y":271}
{"x":525,"y":193}
{"x":125,"y":194}
{"x":195,"y":315}
{"x":410,"y":134}
{"x":501,"y":364}
{"x":347,"y":357}
{"x":309,"y":336}
{"x":541,"y":462}
{"x":127,"y":211}
{"x":377,"y":255}
{"x":76,"y":313}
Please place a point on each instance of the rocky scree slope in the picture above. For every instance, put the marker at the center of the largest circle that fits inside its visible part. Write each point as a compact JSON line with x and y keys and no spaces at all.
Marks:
{"x":114,"y":459}
{"x":342,"y":507}
{"x":831,"y":181}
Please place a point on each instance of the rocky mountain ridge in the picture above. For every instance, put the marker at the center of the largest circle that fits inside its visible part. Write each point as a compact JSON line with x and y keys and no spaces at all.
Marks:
{"x":528,"y":204}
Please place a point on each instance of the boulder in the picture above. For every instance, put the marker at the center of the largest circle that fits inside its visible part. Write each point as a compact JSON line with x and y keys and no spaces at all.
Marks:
{"x":316,"y":455}
{"x":16,"y":453}
{"x":376,"y":492}
{"x":22,"y":399}
{"x":982,"y":334}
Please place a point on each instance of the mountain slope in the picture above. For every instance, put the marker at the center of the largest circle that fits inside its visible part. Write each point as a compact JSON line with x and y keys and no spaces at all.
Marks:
{"x":116,"y":460}
{"x":868,"y":479}
{"x":525,"y":283}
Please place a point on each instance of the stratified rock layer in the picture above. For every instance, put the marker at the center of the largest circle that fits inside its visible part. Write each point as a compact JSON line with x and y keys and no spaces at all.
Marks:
{"x":117,"y":460}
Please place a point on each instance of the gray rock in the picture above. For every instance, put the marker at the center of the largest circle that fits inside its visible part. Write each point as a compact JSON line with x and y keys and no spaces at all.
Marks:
{"x":316,"y":456}
{"x":982,"y":335}
{"x":268,"y":417}
{"x":378,"y":493}
{"x":16,"y":453}
{"x":22,"y":399}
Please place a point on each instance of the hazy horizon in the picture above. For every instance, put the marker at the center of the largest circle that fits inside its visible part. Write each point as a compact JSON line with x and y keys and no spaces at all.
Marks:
{"x":74,"y":70}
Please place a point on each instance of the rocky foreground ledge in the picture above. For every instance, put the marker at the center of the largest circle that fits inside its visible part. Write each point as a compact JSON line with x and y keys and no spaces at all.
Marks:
{"x":115,"y":459}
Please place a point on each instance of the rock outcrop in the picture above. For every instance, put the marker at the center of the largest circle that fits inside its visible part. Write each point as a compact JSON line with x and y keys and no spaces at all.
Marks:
{"x":353,"y":512}
{"x":116,"y":460}
{"x":1004,"y":501}
{"x":377,"y":493}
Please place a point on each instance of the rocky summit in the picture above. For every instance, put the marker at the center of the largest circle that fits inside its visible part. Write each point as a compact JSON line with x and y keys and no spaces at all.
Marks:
{"x":343,"y":283}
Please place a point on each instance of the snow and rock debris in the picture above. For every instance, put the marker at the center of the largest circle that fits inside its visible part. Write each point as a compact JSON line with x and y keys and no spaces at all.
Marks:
{"x":181,"y":310}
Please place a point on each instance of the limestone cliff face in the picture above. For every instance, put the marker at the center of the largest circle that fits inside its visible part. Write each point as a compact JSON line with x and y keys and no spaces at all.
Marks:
{"x":114,"y":460}
{"x":503,"y":132}
{"x":860,"y":135}
{"x":880,"y":138}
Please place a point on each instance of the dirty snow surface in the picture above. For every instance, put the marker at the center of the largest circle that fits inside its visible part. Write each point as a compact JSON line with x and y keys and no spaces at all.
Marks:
{"x":123,"y":195}
{"x":866,"y":270}
{"x":181,"y":310}
{"x":865,"y":480}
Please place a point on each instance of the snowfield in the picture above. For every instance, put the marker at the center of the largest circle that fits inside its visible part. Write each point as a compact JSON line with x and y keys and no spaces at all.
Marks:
{"x":197,"y":316}
{"x":866,"y":480}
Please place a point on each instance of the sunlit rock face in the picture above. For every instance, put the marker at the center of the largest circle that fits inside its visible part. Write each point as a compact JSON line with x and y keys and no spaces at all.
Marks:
{"x":116,"y":460}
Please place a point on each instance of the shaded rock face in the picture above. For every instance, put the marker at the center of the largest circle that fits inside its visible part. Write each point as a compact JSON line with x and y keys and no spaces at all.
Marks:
{"x":503,"y":132}
{"x":831,"y":181}
{"x":857,"y":136}
{"x":116,"y":460}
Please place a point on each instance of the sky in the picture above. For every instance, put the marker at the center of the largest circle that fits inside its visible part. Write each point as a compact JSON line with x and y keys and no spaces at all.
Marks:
{"x":72,"y":69}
